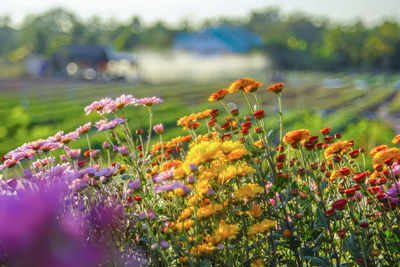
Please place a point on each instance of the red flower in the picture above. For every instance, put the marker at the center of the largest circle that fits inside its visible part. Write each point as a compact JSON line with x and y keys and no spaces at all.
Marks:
{"x":328,"y":139}
{"x":344,"y":171}
{"x":350,"y":192}
{"x":339,"y":204}
{"x":276,"y":88}
{"x":325,"y":131}
{"x":137,"y":198}
{"x":354,"y":154}
{"x":360,"y":177}
{"x":259,"y":114}
{"x":281,"y":158}
{"x":330,"y":212}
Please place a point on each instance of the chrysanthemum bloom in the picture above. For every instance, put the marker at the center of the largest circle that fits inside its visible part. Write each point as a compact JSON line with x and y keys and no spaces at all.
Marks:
{"x":338,"y":148}
{"x":255,"y":211}
{"x":98,"y":105}
{"x":276,"y":88}
{"x":260,"y":228}
{"x":360,"y":177}
{"x":325,"y":131}
{"x":65,"y":139}
{"x":209,"y":210}
{"x":225,"y":231}
{"x":84,"y":128}
{"x":339,"y":204}
{"x":124,"y":100}
{"x":383,"y":155}
{"x":159,"y":128}
{"x":218,"y":95}
{"x":148,"y":101}
{"x":245,"y":84}
{"x":396,"y":139}
{"x":259,"y":114}
{"x":246,"y":192}
{"x":378,"y":149}
{"x":73,"y":153}
{"x":294,"y":138}
{"x":257,"y":263}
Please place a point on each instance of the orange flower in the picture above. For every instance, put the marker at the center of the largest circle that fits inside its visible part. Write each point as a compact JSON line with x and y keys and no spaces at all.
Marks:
{"x":396,"y":139}
{"x":338,"y":148}
{"x":293,"y":138}
{"x":381,"y":156}
{"x":276,"y":88}
{"x":219,"y":95}
{"x":377,"y":149}
{"x":245,"y":84}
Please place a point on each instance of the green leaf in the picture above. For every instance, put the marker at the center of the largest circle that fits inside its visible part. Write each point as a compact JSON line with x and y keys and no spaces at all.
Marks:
{"x":316,"y":261}
{"x":321,"y":220}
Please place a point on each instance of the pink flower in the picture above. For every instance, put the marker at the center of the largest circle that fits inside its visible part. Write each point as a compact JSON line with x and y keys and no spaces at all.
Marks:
{"x":103,"y":125}
{"x":65,"y":139}
{"x":84,"y":128}
{"x":148,"y":101}
{"x":73,"y":153}
{"x":124,"y":100}
{"x":98,"y":105}
{"x":159,"y":128}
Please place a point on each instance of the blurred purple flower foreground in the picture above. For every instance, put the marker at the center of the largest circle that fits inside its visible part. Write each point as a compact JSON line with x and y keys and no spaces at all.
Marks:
{"x":52,"y":227}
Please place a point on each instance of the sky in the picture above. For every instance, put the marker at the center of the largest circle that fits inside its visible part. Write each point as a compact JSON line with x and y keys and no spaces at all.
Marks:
{"x":174,"y":11}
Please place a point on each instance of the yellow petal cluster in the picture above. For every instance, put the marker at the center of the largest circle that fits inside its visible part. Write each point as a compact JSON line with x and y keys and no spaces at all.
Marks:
{"x":246,"y":192}
{"x":225,"y":231}
{"x":260,"y":227}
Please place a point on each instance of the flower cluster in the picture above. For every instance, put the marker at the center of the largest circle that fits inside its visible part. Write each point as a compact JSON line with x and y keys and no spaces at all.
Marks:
{"x":230,"y":192}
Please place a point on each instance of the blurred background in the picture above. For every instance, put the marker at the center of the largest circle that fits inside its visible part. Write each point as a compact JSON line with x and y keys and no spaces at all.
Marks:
{"x":340,"y":61}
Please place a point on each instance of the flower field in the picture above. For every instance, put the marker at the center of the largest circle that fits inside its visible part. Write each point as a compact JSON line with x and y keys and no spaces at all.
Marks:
{"x":248,"y":185}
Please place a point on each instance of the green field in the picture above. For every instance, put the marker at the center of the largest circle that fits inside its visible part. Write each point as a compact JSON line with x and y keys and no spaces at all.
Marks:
{"x":32,"y":109}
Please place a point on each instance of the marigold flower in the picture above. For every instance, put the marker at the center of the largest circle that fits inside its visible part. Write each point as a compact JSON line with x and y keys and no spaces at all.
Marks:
{"x":260,"y":227}
{"x":296,"y":137}
{"x":257,"y":263}
{"x":377,"y":149}
{"x":396,"y":139}
{"x":246,"y":192}
{"x":383,"y":155}
{"x":255,"y":211}
{"x":338,"y":148}
{"x":209,"y":210}
{"x":219,"y":95}
{"x":225,"y":231}
{"x":245,"y":84}
{"x":276,"y":88}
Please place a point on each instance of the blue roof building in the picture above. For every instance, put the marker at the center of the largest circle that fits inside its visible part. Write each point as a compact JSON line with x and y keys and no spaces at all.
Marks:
{"x":217,"y":40}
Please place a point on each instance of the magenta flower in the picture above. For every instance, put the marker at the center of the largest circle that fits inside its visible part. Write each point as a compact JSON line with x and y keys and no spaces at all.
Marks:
{"x":123,"y":150}
{"x":148,"y":101}
{"x":159,"y":128}
{"x":50,"y":146}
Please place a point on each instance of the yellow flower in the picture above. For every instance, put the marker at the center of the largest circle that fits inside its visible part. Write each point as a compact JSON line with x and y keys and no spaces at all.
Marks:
{"x":233,"y":171}
{"x":396,"y":139}
{"x":377,"y":149}
{"x":257,"y":263}
{"x":186,"y":224}
{"x":380,"y":157}
{"x":203,"y":248}
{"x":255,"y":211}
{"x":260,"y":227}
{"x":225,"y":231}
{"x":338,"y":148}
{"x":247,"y":191}
{"x":186,"y":213}
{"x":209,"y":210}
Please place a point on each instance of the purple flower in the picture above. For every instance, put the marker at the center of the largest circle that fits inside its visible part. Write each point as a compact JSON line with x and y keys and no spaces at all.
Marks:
{"x":164,"y":244}
{"x":123,"y":150}
{"x":163,"y":176}
{"x":193,"y":167}
{"x":103,"y":125}
{"x":394,"y":191}
{"x":134,"y":185}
